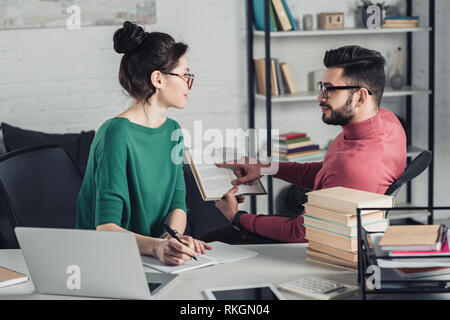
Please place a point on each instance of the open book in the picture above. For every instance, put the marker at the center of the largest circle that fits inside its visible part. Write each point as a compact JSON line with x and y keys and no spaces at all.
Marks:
{"x":213,"y":182}
{"x":221,"y":253}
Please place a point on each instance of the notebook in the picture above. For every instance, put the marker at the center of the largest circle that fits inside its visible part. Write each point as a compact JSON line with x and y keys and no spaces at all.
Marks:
{"x":221,"y":253}
{"x":9,"y":277}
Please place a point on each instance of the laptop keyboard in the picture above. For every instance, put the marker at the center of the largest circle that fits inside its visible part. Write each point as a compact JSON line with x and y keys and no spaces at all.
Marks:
{"x":152,"y":286}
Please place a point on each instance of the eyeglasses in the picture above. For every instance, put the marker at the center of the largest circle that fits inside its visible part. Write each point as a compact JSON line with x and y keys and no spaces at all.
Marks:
{"x":188,"y":77}
{"x":323,"y":88}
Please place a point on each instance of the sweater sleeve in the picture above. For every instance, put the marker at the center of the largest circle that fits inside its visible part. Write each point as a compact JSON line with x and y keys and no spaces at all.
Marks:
{"x":179,"y":195}
{"x":111,"y":180}
{"x":277,"y":228}
{"x":300,"y":174}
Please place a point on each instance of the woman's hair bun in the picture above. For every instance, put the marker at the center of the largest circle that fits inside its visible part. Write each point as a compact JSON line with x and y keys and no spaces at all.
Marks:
{"x":128,"y":38}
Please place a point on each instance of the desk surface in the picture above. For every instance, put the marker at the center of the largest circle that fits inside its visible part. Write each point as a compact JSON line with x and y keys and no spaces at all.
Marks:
{"x":275,"y":263}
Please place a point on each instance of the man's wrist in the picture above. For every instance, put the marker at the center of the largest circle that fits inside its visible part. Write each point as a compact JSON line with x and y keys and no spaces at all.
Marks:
{"x":236,"y":219}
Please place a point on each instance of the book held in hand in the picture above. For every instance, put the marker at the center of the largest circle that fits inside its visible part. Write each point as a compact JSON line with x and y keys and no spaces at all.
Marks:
{"x":213,"y":182}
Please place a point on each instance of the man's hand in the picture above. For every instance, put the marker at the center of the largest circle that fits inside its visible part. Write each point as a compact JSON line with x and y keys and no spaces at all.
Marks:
{"x":247,"y":171}
{"x":228,"y":205}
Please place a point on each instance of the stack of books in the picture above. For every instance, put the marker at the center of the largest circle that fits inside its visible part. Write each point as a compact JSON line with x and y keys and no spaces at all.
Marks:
{"x":401,"y":22}
{"x":296,"y":146}
{"x":281,"y":79}
{"x":331,"y":224}
{"x":280,"y":16}
{"x":417,"y":241}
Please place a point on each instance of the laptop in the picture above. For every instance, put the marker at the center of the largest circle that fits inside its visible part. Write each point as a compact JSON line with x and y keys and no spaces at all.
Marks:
{"x":88,"y":263}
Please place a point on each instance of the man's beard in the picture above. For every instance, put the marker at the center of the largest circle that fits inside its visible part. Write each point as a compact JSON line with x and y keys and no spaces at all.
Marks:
{"x":340,"y":116}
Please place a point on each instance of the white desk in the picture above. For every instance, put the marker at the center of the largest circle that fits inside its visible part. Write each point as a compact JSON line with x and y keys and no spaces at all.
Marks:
{"x":275,"y":263}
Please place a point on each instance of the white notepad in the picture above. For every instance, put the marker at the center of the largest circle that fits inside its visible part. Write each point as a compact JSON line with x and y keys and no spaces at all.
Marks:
{"x":221,"y":253}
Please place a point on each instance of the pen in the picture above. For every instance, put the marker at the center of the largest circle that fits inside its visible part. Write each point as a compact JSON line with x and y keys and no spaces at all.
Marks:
{"x":173,"y":234}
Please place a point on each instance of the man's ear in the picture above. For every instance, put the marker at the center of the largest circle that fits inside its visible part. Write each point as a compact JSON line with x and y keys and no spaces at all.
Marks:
{"x":363,"y":96}
{"x":157,"y":79}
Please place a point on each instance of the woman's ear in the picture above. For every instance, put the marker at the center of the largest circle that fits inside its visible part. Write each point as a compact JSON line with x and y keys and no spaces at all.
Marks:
{"x":157,"y":79}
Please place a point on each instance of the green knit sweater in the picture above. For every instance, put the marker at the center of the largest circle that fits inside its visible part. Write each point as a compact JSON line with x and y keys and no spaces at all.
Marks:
{"x":134,"y":177}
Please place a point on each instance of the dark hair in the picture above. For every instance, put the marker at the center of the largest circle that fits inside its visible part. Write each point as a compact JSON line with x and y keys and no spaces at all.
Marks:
{"x":361,"y":67}
{"x":144,"y":52}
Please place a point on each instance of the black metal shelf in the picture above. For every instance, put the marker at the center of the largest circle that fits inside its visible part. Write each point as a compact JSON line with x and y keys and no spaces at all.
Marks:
{"x":408,"y":92}
{"x":367,"y":257}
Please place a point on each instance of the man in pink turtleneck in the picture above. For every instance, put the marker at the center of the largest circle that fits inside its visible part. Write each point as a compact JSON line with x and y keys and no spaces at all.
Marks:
{"x":369,"y":154}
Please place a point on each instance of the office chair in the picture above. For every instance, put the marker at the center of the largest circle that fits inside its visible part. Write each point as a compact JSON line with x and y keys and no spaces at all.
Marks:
{"x":39,"y":187}
{"x":418,"y":165}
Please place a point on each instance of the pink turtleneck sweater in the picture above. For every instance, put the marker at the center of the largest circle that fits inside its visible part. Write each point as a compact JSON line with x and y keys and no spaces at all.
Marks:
{"x":369,"y":155}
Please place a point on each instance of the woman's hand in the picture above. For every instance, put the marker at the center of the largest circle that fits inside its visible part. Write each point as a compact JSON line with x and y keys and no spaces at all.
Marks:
{"x":197,"y":245}
{"x":172,"y":252}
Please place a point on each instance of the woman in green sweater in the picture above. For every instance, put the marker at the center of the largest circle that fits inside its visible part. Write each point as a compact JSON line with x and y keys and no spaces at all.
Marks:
{"x":134,"y":180}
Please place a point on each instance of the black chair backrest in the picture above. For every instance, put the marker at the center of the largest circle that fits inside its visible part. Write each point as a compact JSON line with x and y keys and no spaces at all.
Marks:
{"x":203,"y":216}
{"x":418,"y":165}
{"x":39,"y":187}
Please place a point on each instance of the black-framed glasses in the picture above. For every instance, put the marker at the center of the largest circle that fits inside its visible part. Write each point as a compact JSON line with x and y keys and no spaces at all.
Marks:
{"x":323,"y":88}
{"x":188,"y":77}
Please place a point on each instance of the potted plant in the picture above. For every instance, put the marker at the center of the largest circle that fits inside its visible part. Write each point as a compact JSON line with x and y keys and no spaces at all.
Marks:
{"x":362,"y":11}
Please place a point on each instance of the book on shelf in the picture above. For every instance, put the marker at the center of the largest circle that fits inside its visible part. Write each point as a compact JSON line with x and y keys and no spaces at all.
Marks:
{"x":345,"y":230}
{"x":281,"y":15}
{"x":260,"y":72}
{"x":401,"y":22}
{"x":9,"y":277}
{"x":344,"y":199}
{"x":342,"y":254}
{"x":345,"y":218}
{"x":258,"y":14}
{"x":213,"y":182}
{"x":422,"y":272}
{"x":296,"y":155}
{"x":280,"y":84}
{"x":288,"y":79}
{"x":332,"y":239}
{"x":296,"y":150}
{"x":292,"y":141}
{"x":290,"y":16}
{"x":289,"y":136}
{"x":443,"y":252}
{"x":291,"y":146}
{"x":306,"y":158}
{"x":414,"y":238}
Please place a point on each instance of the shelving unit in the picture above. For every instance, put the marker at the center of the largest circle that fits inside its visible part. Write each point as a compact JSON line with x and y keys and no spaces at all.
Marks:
{"x":306,"y":96}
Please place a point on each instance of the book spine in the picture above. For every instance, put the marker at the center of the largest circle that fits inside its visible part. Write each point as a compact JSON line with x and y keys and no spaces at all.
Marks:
{"x":279,"y":80}
{"x":272,"y":17}
{"x":287,"y":76}
{"x":258,"y":13}
{"x":273,"y":78}
{"x":290,"y":16}
{"x":260,"y":75}
{"x":281,"y":15}
{"x":332,"y":240}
